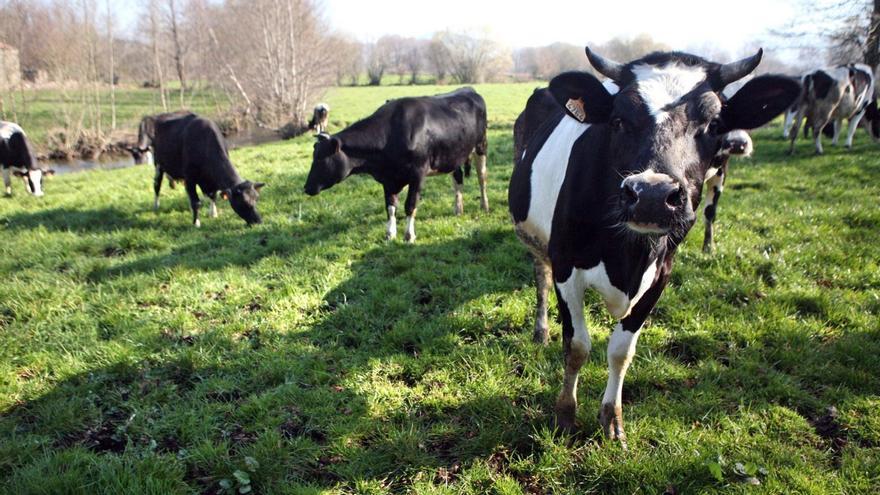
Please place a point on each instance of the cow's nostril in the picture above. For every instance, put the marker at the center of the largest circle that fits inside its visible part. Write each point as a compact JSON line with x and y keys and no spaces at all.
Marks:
{"x":630,"y":194}
{"x":674,"y":198}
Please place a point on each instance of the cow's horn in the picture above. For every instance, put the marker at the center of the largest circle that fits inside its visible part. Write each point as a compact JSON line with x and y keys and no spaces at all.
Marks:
{"x":607,"y":68}
{"x":735,"y":71}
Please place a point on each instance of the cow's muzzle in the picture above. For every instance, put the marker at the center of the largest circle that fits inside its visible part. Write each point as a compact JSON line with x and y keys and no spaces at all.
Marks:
{"x":652,"y":202}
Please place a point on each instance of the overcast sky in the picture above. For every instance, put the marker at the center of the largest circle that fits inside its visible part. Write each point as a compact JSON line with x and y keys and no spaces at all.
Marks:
{"x":681,"y":24}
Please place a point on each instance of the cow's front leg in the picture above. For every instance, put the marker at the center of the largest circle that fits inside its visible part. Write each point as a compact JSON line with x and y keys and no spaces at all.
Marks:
{"x":543,"y":282}
{"x":391,"y":209}
{"x":194,"y":201}
{"x":457,"y":181}
{"x":213,"y":208}
{"x":621,"y":349}
{"x":157,"y":186}
{"x":483,"y":176}
{"x":836,"y":125}
{"x":817,"y":136}
{"x":714,"y":186}
{"x":7,"y":181}
{"x":576,"y":346}
{"x":412,"y":202}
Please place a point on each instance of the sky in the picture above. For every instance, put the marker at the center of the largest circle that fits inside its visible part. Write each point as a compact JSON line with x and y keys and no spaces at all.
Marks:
{"x":681,"y":24}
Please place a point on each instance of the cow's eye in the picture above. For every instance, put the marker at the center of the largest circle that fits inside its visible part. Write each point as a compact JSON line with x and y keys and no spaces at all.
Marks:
{"x":617,"y":124}
{"x":713,"y":126}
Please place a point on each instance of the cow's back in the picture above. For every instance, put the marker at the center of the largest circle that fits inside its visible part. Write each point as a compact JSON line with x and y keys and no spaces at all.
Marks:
{"x":169,"y":142}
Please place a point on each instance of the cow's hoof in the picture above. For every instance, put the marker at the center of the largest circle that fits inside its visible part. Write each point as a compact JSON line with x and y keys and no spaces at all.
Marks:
{"x":458,"y":210}
{"x":611,"y":419}
{"x":197,"y":224}
{"x":565,"y":414}
{"x":390,"y":236}
{"x":409,"y":238}
{"x":541,"y":335}
{"x":485,"y":207}
{"x":707,"y":248}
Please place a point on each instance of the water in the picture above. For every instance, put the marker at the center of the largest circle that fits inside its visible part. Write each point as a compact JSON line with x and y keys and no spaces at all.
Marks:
{"x":248,"y":137}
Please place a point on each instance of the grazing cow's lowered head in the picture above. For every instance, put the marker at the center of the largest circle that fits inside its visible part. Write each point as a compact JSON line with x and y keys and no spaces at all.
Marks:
{"x":330,"y":165}
{"x":243,"y":200}
{"x":664,"y":126}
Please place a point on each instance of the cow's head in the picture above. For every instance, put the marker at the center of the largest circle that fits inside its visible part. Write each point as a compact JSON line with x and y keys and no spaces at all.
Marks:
{"x":22,"y":156}
{"x":141,"y":155}
{"x":664,"y":126}
{"x":243,"y":199}
{"x":330,"y":165}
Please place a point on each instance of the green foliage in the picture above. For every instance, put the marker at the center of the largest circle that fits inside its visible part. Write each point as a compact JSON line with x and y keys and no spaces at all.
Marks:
{"x":307,"y":355}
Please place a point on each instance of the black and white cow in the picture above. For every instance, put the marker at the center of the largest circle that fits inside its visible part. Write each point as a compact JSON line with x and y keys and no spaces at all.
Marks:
{"x":831,"y":95}
{"x":541,"y":106}
{"x":16,"y":153}
{"x":606,"y":192}
{"x":401,"y":143}
{"x":320,"y":115}
{"x":191,"y":148}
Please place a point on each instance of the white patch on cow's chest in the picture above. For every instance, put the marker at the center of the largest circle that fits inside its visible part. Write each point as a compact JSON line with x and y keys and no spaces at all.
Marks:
{"x":617,"y":301}
{"x":661,"y":86}
{"x":7,"y":129}
{"x":548,"y":172}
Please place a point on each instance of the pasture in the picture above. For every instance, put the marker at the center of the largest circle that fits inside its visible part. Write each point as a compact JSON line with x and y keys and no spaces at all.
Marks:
{"x":308,"y":355}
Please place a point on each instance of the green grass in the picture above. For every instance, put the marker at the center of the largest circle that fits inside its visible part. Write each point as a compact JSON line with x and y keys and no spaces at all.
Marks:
{"x":307,"y":355}
{"x":39,"y":111}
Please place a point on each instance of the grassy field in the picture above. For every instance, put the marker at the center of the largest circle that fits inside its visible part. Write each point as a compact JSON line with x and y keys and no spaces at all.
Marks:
{"x":307,"y":355}
{"x":41,"y":110}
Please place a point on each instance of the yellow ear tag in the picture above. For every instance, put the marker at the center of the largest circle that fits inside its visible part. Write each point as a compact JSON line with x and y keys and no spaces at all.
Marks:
{"x":576,"y":108}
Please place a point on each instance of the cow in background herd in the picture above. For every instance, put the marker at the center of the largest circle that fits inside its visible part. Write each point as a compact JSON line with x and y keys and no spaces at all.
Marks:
{"x":320,"y":116}
{"x":606,"y":192}
{"x":402,"y":143}
{"x":191,"y":148}
{"x":831,"y":95}
{"x":17,"y":157}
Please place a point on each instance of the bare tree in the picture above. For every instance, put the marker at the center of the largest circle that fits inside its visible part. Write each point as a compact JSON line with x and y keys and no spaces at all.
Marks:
{"x":178,"y":48}
{"x":475,"y":59}
{"x":153,"y":8}
{"x":438,"y":58}
{"x":112,"y":63}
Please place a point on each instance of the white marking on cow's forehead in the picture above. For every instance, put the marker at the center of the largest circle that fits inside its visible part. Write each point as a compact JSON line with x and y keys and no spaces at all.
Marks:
{"x":7,"y":129}
{"x":661,"y":86}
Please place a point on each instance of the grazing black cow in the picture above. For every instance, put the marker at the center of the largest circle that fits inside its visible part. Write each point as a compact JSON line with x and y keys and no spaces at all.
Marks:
{"x":320,"y":115}
{"x":401,"y":143}
{"x":606,"y":192}
{"x":191,"y":148}
{"x":831,"y":95}
{"x":541,"y":106}
{"x":16,"y":153}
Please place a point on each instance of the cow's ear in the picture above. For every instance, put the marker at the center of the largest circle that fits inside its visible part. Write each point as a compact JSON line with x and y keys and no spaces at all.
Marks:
{"x":337,"y":145}
{"x":225,"y":193}
{"x":49,"y":171}
{"x":582,"y":96}
{"x":758,"y":102}
{"x":259,"y":185}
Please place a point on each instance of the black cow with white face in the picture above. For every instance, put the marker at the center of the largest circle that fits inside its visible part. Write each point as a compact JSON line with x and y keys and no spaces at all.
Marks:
{"x":403,"y":142}
{"x":191,"y":148}
{"x":604,"y":194}
{"x":17,"y":157}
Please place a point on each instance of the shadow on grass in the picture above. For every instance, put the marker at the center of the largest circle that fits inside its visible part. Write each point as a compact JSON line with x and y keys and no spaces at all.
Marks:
{"x":107,"y":219}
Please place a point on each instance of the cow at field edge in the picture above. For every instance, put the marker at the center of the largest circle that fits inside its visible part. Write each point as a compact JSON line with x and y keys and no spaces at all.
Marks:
{"x":191,"y":148}
{"x":320,"y":115}
{"x":606,"y":192}
{"x":541,"y":106}
{"x":401,"y":143}
{"x":831,"y":95}
{"x":16,"y":153}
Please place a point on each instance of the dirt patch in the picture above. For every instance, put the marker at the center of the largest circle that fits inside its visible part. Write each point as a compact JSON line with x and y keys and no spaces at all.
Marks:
{"x":828,"y":427}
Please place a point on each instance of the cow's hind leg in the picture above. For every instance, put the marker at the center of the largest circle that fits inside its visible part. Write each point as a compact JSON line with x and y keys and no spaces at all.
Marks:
{"x":194,"y":201}
{"x":714,"y":186}
{"x":836,"y":125}
{"x":543,"y":282}
{"x":576,"y":346}
{"x":483,"y":177}
{"x":7,"y":180}
{"x":853,"y":125}
{"x":412,"y":203}
{"x":391,"y":209}
{"x":457,"y":181}
{"x":157,"y":187}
